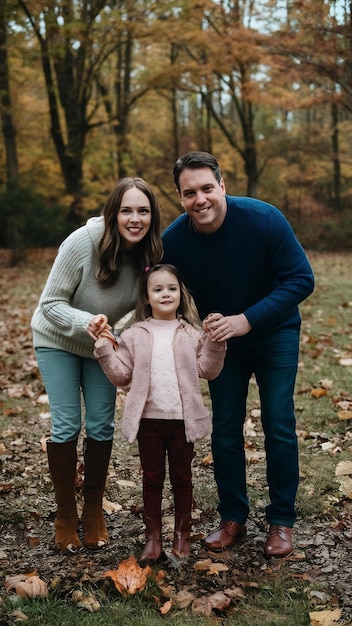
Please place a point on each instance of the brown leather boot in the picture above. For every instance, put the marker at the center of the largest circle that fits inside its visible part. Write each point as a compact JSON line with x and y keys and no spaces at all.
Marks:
{"x":153,"y":548}
{"x":182,"y":535}
{"x":62,"y":459}
{"x":96,"y":464}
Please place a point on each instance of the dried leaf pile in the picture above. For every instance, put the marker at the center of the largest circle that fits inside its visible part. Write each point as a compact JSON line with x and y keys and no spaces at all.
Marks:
{"x":207,"y":584}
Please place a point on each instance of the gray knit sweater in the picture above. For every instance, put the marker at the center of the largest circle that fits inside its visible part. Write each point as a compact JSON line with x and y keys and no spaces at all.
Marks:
{"x":72,"y":295}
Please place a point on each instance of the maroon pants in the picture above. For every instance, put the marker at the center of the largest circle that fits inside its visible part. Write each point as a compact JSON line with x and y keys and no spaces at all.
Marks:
{"x":156,"y":438}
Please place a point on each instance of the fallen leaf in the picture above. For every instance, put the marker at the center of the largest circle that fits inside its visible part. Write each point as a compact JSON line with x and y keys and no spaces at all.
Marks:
{"x":129,"y":577}
{"x":219,"y":601}
{"x":43,"y":399}
{"x":235,"y":592}
{"x":202,"y":606}
{"x":111,"y":507}
{"x":324,"y":618}
{"x":183,"y":598}
{"x":346,"y":487}
{"x":343,"y":468}
{"x":326,"y":383}
{"x":216,"y":568}
{"x":166,"y":607}
{"x":346,"y":405}
{"x":18,"y":616}
{"x":299,"y":556}
{"x":344,"y":415}
{"x":26,"y":586}
{"x":202,"y":565}
{"x":126,"y":483}
{"x":318,"y":392}
{"x":254,"y":456}
{"x":327,"y":445}
{"x":5,"y":487}
{"x":208,"y":460}
{"x":346,"y":362}
{"x":88,"y":602}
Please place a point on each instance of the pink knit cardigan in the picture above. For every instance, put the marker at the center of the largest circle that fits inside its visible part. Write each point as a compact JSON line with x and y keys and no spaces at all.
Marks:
{"x":195,"y":357}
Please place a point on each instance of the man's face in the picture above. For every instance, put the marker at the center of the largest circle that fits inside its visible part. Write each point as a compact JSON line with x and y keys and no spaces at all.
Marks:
{"x":203,"y":198}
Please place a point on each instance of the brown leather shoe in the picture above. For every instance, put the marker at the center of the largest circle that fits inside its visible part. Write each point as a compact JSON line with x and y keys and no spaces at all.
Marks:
{"x":279,"y":541}
{"x":225,"y":536}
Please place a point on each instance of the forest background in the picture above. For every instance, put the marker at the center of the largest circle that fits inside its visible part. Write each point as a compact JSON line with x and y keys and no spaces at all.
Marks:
{"x":92,"y":90}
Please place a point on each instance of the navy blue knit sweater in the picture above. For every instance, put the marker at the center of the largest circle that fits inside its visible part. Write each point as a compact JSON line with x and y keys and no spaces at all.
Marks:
{"x":253,"y":264}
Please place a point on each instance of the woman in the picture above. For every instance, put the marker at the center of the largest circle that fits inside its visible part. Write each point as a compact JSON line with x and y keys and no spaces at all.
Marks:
{"x":92,"y":284}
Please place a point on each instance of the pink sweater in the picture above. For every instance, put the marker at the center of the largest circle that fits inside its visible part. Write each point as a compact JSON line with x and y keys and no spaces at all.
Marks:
{"x":195,"y":357}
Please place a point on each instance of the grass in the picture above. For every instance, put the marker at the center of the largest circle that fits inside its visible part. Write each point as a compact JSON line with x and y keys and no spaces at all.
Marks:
{"x":277,"y":600}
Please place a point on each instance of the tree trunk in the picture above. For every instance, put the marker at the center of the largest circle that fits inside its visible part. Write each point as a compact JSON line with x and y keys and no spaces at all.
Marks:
{"x":336,"y":157}
{"x":8,"y":128}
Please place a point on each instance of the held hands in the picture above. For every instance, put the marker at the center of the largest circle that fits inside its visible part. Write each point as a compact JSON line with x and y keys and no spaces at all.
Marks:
{"x":221,"y":328}
{"x":99,"y":327}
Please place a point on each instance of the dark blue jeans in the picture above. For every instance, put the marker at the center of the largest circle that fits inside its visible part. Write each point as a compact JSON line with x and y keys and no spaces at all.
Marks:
{"x":274,"y":361}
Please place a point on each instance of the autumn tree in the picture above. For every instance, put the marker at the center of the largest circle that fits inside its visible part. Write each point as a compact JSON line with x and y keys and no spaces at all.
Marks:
{"x":313,"y":50}
{"x":73,"y":48}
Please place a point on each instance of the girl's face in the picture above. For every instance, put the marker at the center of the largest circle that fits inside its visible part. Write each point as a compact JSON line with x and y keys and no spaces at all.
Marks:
{"x":164,"y":295}
{"x":134,"y":217}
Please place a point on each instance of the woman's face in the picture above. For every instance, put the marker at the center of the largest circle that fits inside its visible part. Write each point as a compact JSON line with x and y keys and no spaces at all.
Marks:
{"x":134,"y":217}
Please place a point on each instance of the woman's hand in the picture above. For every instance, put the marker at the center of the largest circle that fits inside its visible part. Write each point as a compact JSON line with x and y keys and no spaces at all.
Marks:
{"x":98,"y":324}
{"x":221,"y":328}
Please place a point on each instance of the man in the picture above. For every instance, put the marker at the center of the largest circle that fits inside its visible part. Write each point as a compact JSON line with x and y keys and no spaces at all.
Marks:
{"x":240,"y":258}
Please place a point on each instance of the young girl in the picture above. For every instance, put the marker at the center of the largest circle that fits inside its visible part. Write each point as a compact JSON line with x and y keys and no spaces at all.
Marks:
{"x":162,"y":355}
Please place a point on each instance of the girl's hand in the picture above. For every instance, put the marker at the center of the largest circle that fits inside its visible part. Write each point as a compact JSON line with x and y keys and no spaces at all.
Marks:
{"x":107,"y":334}
{"x":221,"y":328}
{"x":97,"y":325}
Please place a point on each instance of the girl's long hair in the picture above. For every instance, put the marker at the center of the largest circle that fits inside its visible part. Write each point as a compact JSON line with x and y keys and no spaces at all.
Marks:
{"x":187,"y":309}
{"x":146,"y":252}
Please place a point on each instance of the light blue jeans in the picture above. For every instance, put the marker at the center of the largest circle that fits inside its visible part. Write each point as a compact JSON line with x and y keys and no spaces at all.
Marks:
{"x":68,"y":378}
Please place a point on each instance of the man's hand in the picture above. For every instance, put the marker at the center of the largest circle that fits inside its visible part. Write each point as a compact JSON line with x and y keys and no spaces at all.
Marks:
{"x":221,"y":328}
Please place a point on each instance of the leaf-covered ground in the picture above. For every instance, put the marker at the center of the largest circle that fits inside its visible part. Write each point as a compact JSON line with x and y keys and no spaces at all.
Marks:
{"x":323,"y":541}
